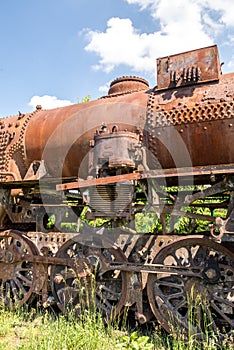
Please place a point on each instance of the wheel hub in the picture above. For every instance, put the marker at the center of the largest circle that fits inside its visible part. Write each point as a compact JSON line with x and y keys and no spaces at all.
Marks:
{"x":211,"y":272}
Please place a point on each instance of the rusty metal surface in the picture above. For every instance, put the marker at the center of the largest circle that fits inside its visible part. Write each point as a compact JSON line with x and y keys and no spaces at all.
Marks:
{"x":200,"y":114}
{"x":71,"y":128}
{"x":13,"y":164}
{"x":188,"y":68}
{"x":154,"y":174}
{"x":197,"y":123}
{"x":127,"y":84}
{"x":114,"y":149}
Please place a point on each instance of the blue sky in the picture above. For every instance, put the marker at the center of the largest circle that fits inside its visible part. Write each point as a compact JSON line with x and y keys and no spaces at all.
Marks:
{"x":54,"y":52}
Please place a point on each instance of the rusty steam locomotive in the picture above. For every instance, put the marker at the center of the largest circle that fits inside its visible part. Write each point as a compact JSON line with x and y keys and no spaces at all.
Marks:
{"x":76,"y":184}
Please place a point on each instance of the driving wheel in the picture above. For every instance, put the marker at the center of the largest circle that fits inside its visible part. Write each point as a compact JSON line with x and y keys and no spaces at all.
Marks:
{"x":19,"y":278}
{"x":200,"y":302}
{"x":88,"y":283}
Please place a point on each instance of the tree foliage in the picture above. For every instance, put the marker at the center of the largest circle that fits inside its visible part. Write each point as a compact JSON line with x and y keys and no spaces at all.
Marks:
{"x":87,"y":98}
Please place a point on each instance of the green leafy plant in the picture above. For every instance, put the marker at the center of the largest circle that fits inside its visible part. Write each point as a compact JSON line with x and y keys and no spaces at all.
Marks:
{"x":134,"y":341}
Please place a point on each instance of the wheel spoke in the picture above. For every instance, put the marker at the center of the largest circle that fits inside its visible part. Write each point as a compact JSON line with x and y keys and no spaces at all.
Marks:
{"x":222,"y":314}
{"x":20,"y":286}
{"x":211,"y":319}
{"x":8,"y":289}
{"x":27,"y":281}
{"x":102,"y":287}
{"x":161,"y":282}
{"x":14,"y":290}
{"x":175,"y":295}
{"x":223,"y":301}
{"x":104,"y":300}
{"x":181,"y":304}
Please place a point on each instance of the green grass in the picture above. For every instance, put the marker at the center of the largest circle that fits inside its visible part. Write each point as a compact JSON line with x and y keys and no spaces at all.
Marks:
{"x":33,"y":330}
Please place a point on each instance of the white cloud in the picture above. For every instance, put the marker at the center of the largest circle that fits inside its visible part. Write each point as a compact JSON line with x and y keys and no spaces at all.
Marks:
{"x":104,"y":88}
{"x":213,"y":28}
{"x":224,"y":8}
{"x":120,"y":44}
{"x":183,"y":25}
{"x":142,"y":3}
{"x":48,"y":102}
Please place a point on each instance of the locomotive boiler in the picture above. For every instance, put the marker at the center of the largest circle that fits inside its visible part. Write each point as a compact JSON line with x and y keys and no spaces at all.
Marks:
{"x":131,"y":195}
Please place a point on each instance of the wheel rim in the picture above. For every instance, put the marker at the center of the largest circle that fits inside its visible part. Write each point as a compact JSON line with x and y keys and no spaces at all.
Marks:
{"x":104,"y":290}
{"x":194,"y":304}
{"x":18,"y":279}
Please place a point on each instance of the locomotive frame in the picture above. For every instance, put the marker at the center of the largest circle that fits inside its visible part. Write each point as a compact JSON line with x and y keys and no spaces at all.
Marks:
{"x":147,"y":155}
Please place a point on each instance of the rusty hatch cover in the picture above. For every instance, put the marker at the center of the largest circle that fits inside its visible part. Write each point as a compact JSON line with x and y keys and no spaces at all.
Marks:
{"x":188,"y":68}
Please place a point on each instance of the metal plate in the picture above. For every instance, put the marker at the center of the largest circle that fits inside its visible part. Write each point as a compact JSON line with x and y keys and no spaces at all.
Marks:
{"x":188,"y":68}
